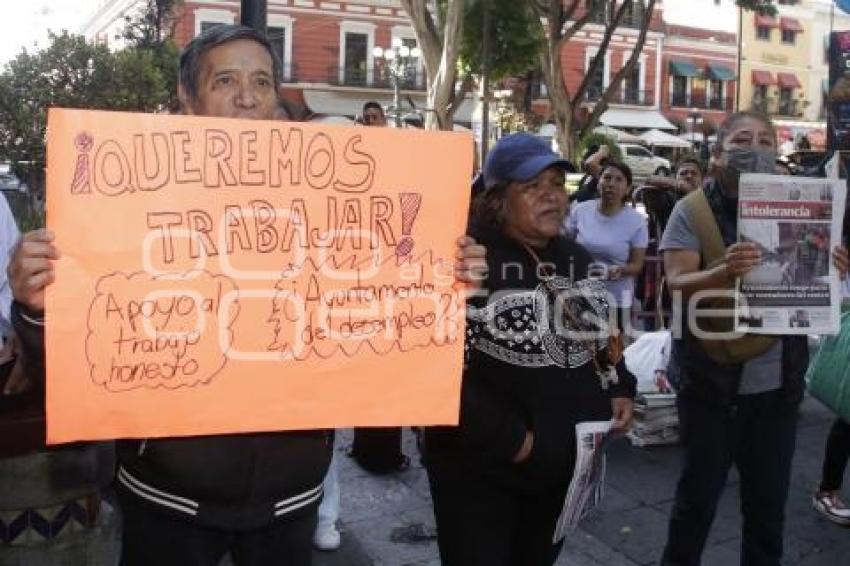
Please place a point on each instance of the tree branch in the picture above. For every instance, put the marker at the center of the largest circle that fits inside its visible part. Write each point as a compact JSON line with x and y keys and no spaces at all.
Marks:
{"x":617,"y":80}
{"x":598,"y":60}
{"x":427,"y":35}
{"x":466,"y":86}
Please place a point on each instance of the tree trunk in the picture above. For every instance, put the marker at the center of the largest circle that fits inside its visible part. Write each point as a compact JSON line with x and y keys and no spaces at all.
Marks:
{"x":555,"y":17}
{"x":618,"y":78}
{"x":562,"y":107}
{"x":553,"y":14}
{"x":440,"y":48}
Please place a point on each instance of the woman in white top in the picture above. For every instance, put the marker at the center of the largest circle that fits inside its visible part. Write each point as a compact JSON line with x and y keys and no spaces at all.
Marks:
{"x":616,"y":235}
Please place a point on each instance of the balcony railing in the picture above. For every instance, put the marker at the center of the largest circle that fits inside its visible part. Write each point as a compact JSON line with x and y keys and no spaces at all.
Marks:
{"x":773,"y":107}
{"x":622,"y":96}
{"x":762,"y":105}
{"x":787,"y":108}
{"x":680,"y":99}
{"x":719,"y":104}
{"x":358,"y":77}
{"x":701,"y":101}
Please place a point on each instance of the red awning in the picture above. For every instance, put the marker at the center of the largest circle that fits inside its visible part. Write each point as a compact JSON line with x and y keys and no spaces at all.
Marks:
{"x":763,"y":78}
{"x":790,"y":24}
{"x":788,"y":80}
{"x":766,"y":21}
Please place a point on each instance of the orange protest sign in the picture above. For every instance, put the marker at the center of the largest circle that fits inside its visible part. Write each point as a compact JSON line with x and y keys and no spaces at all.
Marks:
{"x":223,"y":276}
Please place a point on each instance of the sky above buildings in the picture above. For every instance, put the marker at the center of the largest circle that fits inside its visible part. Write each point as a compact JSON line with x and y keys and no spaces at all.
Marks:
{"x":702,"y":13}
{"x":26,"y":22}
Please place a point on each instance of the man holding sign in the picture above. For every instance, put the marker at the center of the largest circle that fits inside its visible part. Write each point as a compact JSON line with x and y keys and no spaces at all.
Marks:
{"x":190,"y":501}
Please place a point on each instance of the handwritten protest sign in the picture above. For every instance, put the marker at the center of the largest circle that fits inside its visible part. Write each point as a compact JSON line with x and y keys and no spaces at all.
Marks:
{"x":222,"y":276}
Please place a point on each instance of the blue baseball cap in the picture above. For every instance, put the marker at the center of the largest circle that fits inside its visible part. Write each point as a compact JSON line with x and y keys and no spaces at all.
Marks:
{"x":520,"y":157}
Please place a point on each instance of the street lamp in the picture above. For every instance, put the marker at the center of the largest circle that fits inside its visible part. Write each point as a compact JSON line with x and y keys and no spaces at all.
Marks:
{"x":397,"y":63}
{"x":696,"y":118}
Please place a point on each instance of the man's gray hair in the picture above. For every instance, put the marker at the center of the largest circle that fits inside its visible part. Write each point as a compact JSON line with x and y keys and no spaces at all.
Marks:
{"x":190,"y":57}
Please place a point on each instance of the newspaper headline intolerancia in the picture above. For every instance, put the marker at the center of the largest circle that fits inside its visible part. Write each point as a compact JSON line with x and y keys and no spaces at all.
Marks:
{"x":795,"y":222}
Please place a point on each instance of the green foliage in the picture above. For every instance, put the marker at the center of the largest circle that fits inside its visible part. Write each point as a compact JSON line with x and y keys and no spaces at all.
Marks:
{"x":72,"y":73}
{"x":145,"y":79}
{"x":515,"y":40}
{"x":764,"y":7}
{"x":150,"y":31}
{"x":69,"y":73}
{"x":151,"y":26}
{"x":599,"y":139}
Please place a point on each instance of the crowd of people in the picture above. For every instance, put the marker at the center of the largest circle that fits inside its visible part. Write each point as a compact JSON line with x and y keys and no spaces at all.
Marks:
{"x":499,"y":478}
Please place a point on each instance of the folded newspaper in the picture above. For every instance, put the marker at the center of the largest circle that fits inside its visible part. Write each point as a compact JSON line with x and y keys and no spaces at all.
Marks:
{"x":795,"y":222}
{"x":585,"y":491}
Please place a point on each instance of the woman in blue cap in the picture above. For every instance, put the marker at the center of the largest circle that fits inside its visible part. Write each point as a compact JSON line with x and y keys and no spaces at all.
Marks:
{"x":499,"y":479}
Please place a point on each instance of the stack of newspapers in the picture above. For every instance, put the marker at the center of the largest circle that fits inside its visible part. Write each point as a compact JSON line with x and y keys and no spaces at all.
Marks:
{"x":656,"y":420}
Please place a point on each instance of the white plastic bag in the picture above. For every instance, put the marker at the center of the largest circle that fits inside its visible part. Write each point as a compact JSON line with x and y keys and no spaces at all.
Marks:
{"x":647,"y":359}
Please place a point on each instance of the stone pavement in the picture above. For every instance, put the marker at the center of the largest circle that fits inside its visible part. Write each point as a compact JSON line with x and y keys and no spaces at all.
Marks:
{"x":387,"y":520}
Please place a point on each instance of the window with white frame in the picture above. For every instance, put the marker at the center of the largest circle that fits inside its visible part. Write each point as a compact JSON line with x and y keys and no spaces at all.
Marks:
{"x":279,"y":33}
{"x":716,"y":100}
{"x":599,"y":79}
{"x":356,"y":42}
{"x":207,"y":18}
{"x":632,"y":93}
{"x":356,"y":58}
{"x":789,"y":37}
{"x":634,"y":84}
{"x":680,"y":91}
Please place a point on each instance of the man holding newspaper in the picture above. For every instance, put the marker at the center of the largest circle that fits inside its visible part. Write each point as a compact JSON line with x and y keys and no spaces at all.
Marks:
{"x":738,"y":393}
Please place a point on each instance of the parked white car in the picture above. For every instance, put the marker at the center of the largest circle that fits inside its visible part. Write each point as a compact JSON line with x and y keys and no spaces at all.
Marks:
{"x":8,"y":180}
{"x":643,"y":162}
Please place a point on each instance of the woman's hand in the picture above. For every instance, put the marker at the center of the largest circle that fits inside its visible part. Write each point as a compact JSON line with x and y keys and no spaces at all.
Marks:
{"x":615,"y":272}
{"x":525,"y":450}
{"x":470,"y":261}
{"x":621,"y":409}
{"x":839,"y":258}
{"x":31,"y":268}
{"x":741,"y":258}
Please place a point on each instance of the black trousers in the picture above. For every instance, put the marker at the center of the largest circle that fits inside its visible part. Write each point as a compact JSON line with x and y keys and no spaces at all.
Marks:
{"x":378,"y":449}
{"x":759,"y":437}
{"x":483,"y":523}
{"x":152,"y":537}
{"x":837,"y":453}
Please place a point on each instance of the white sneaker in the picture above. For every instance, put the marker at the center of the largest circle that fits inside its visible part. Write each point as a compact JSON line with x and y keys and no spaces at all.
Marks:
{"x":828,"y":505}
{"x":326,"y":537}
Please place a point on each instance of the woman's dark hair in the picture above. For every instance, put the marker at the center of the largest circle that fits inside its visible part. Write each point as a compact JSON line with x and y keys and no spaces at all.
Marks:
{"x":621,"y":167}
{"x":488,"y":209}
{"x":190,"y":57}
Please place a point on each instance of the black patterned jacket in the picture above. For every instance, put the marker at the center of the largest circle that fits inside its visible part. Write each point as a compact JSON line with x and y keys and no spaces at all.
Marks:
{"x":522,"y":374}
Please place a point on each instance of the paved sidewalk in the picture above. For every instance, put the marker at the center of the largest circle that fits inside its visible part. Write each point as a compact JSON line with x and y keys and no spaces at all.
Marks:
{"x":388,"y":521}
